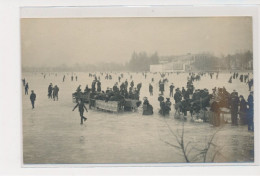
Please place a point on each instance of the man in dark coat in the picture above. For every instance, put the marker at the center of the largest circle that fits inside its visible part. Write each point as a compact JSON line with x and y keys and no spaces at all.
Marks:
{"x":186,"y":95}
{"x":93,"y":86}
{"x":183,"y":91}
{"x":139,"y":86}
{"x":55,"y":92}
{"x":132,"y":84}
{"x":122,"y":87}
{"x":250,"y":84}
{"x":250,"y":102}
{"x":50,"y":91}
{"x":23,"y":81}
{"x":26,"y":89}
{"x":115,"y":88}
{"x":160,"y":98}
{"x":81,"y":107}
{"x":99,"y":86}
{"x":177,"y":96}
{"x":234,"y":107}
{"x":242,"y":110}
{"x":161,"y":87}
{"x":126,"y":84}
{"x":215,"y":113}
{"x":171,"y":90}
{"x":167,"y":106}
{"x":33,"y":98}
{"x":147,"y":107}
{"x":150,"y":89}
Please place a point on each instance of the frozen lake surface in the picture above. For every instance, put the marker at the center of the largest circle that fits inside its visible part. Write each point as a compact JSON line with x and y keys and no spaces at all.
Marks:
{"x":52,"y":133}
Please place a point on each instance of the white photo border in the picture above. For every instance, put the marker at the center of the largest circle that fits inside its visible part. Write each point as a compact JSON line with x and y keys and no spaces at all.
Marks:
{"x":11,"y":119}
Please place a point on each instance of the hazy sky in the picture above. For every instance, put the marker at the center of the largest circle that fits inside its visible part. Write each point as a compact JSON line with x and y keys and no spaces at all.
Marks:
{"x":94,"y":40}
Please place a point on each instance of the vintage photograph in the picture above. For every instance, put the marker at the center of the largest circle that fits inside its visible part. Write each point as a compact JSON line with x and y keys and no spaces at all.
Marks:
{"x":137,"y":90}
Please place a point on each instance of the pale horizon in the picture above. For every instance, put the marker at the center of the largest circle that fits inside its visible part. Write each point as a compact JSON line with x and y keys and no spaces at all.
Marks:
{"x":56,"y":41}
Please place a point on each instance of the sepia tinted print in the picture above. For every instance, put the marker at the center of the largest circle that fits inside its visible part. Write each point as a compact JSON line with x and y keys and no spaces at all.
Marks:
{"x":137,"y":90}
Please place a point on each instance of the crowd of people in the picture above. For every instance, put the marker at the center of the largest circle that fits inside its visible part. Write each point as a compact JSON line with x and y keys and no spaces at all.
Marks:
{"x":115,"y":93}
{"x":200,"y":103}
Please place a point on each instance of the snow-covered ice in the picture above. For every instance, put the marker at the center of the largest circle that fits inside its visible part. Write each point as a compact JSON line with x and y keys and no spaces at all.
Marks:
{"x":52,"y":133}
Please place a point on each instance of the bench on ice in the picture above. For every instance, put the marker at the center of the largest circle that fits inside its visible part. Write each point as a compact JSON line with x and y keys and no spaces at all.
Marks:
{"x":112,"y":106}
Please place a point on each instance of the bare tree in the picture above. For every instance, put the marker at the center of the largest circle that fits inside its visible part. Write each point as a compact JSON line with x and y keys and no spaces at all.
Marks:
{"x":189,"y":149}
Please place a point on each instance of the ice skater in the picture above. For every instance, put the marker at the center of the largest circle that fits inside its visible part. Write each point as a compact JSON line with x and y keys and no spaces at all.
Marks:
{"x":81,"y":107}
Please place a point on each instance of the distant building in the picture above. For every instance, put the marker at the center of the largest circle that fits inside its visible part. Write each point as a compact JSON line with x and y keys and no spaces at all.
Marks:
{"x":156,"y":68}
{"x":173,"y":64}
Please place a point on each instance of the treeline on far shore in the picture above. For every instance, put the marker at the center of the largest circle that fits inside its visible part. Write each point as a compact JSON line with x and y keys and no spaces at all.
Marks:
{"x":139,"y":62}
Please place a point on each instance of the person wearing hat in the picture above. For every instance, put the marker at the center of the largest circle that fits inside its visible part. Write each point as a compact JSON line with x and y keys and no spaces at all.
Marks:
{"x":32,"y":98}
{"x":171,"y":90}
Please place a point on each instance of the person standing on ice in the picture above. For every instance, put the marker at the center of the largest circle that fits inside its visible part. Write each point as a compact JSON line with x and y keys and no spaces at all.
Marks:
{"x":234,"y":107}
{"x":151,"y":89}
{"x":23,"y":81}
{"x":250,"y":114}
{"x":50,"y":91}
{"x":81,"y":107}
{"x":26,"y":88}
{"x":161,"y":87}
{"x":55,"y":92}
{"x":171,"y":90}
{"x":98,"y":86}
{"x":33,"y":98}
{"x":63,"y":78}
